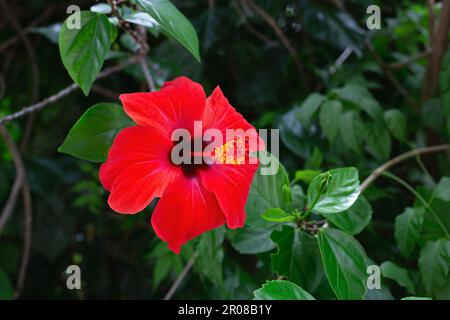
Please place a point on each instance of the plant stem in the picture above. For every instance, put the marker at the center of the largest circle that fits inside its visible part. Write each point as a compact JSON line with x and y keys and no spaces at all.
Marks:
{"x":421,"y":199}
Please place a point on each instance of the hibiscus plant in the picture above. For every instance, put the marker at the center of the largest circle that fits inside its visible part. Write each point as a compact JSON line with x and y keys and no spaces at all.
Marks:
{"x":308,"y":209}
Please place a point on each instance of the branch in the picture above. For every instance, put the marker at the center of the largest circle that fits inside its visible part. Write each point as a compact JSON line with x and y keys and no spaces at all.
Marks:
{"x":18,"y":182}
{"x":64,"y":92}
{"x":391,"y":77}
{"x":439,"y":39}
{"x":143,"y":61}
{"x":34,"y":69}
{"x":181,"y":276}
{"x":28,"y":230}
{"x":413,"y":153}
{"x":284,"y":40}
{"x":410,"y":60}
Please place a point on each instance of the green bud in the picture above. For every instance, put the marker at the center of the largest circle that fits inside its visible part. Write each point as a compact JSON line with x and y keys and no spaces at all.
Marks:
{"x":324,"y":181}
{"x":287,"y":193}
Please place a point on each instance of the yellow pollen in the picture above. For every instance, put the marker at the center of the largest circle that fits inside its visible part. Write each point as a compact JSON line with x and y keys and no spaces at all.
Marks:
{"x":232,"y":152}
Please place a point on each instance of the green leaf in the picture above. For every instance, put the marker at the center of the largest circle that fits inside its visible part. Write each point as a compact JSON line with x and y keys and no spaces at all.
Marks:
{"x":101,"y":8}
{"x":407,"y":229}
{"x":355,"y":219}
{"x":305,"y":175}
{"x":416,"y":298}
{"x":442,"y":190}
{"x":434,"y":264}
{"x":6,"y":289}
{"x":84,"y":50}
{"x":251,"y":239}
{"x":340,"y":195}
{"x":309,"y":107}
{"x":166,"y":263}
{"x":210,"y":255}
{"x":357,"y":95}
{"x":266,"y":191}
{"x":345,"y":263}
{"x":351,"y":130}
{"x":51,"y":32}
{"x":173,"y":23}
{"x":372,"y":108}
{"x":437,"y":225}
{"x":298,"y":259}
{"x":294,"y":135}
{"x":92,"y":135}
{"x":396,"y":123}
{"x":298,"y":198}
{"x":329,"y":113}
{"x":378,"y":140}
{"x":281,"y":290}
{"x":400,"y":275}
{"x":141,"y":18}
{"x":277,"y":215}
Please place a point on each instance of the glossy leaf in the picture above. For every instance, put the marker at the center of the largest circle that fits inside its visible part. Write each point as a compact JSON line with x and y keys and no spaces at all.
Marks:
{"x":355,"y":219}
{"x":266,"y":191}
{"x":277,"y":215}
{"x":434,"y":264}
{"x":173,"y":23}
{"x":400,"y":275}
{"x":340,"y":195}
{"x":84,"y":50}
{"x":345,"y":263}
{"x":298,"y":259}
{"x":407,"y":229}
{"x":281,"y":290}
{"x":92,"y":135}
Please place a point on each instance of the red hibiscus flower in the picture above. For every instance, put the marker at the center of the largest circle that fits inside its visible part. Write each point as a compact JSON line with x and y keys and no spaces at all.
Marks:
{"x":194,"y":198}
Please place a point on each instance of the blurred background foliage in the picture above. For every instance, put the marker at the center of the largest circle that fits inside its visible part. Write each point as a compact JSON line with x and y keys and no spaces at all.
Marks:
{"x":321,"y":59}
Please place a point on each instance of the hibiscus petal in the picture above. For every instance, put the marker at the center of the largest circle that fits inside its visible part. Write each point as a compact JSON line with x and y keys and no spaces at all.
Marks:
{"x":231,"y":185}
{"x":185,"y":211}
{"x":220,"y":114}
{"x":177,"y":105}
{"x":138,"y":169}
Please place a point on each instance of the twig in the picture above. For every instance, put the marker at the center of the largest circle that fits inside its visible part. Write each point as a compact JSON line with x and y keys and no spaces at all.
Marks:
{"x":375,"y":174}
{"x":391,"y":77}
{"x":64,"y":92}
{"x":284,"y":40}
{"x":105,"y":92}
{"x":421,"y":199}
{"x":143,"y":60}
{"x":408,"y":61}
{"x":18,"y":182}
{"x":34,"y":69}
{"x":28,"y":230}
{"x":181,"y":276}
{"x":146,"y":72}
